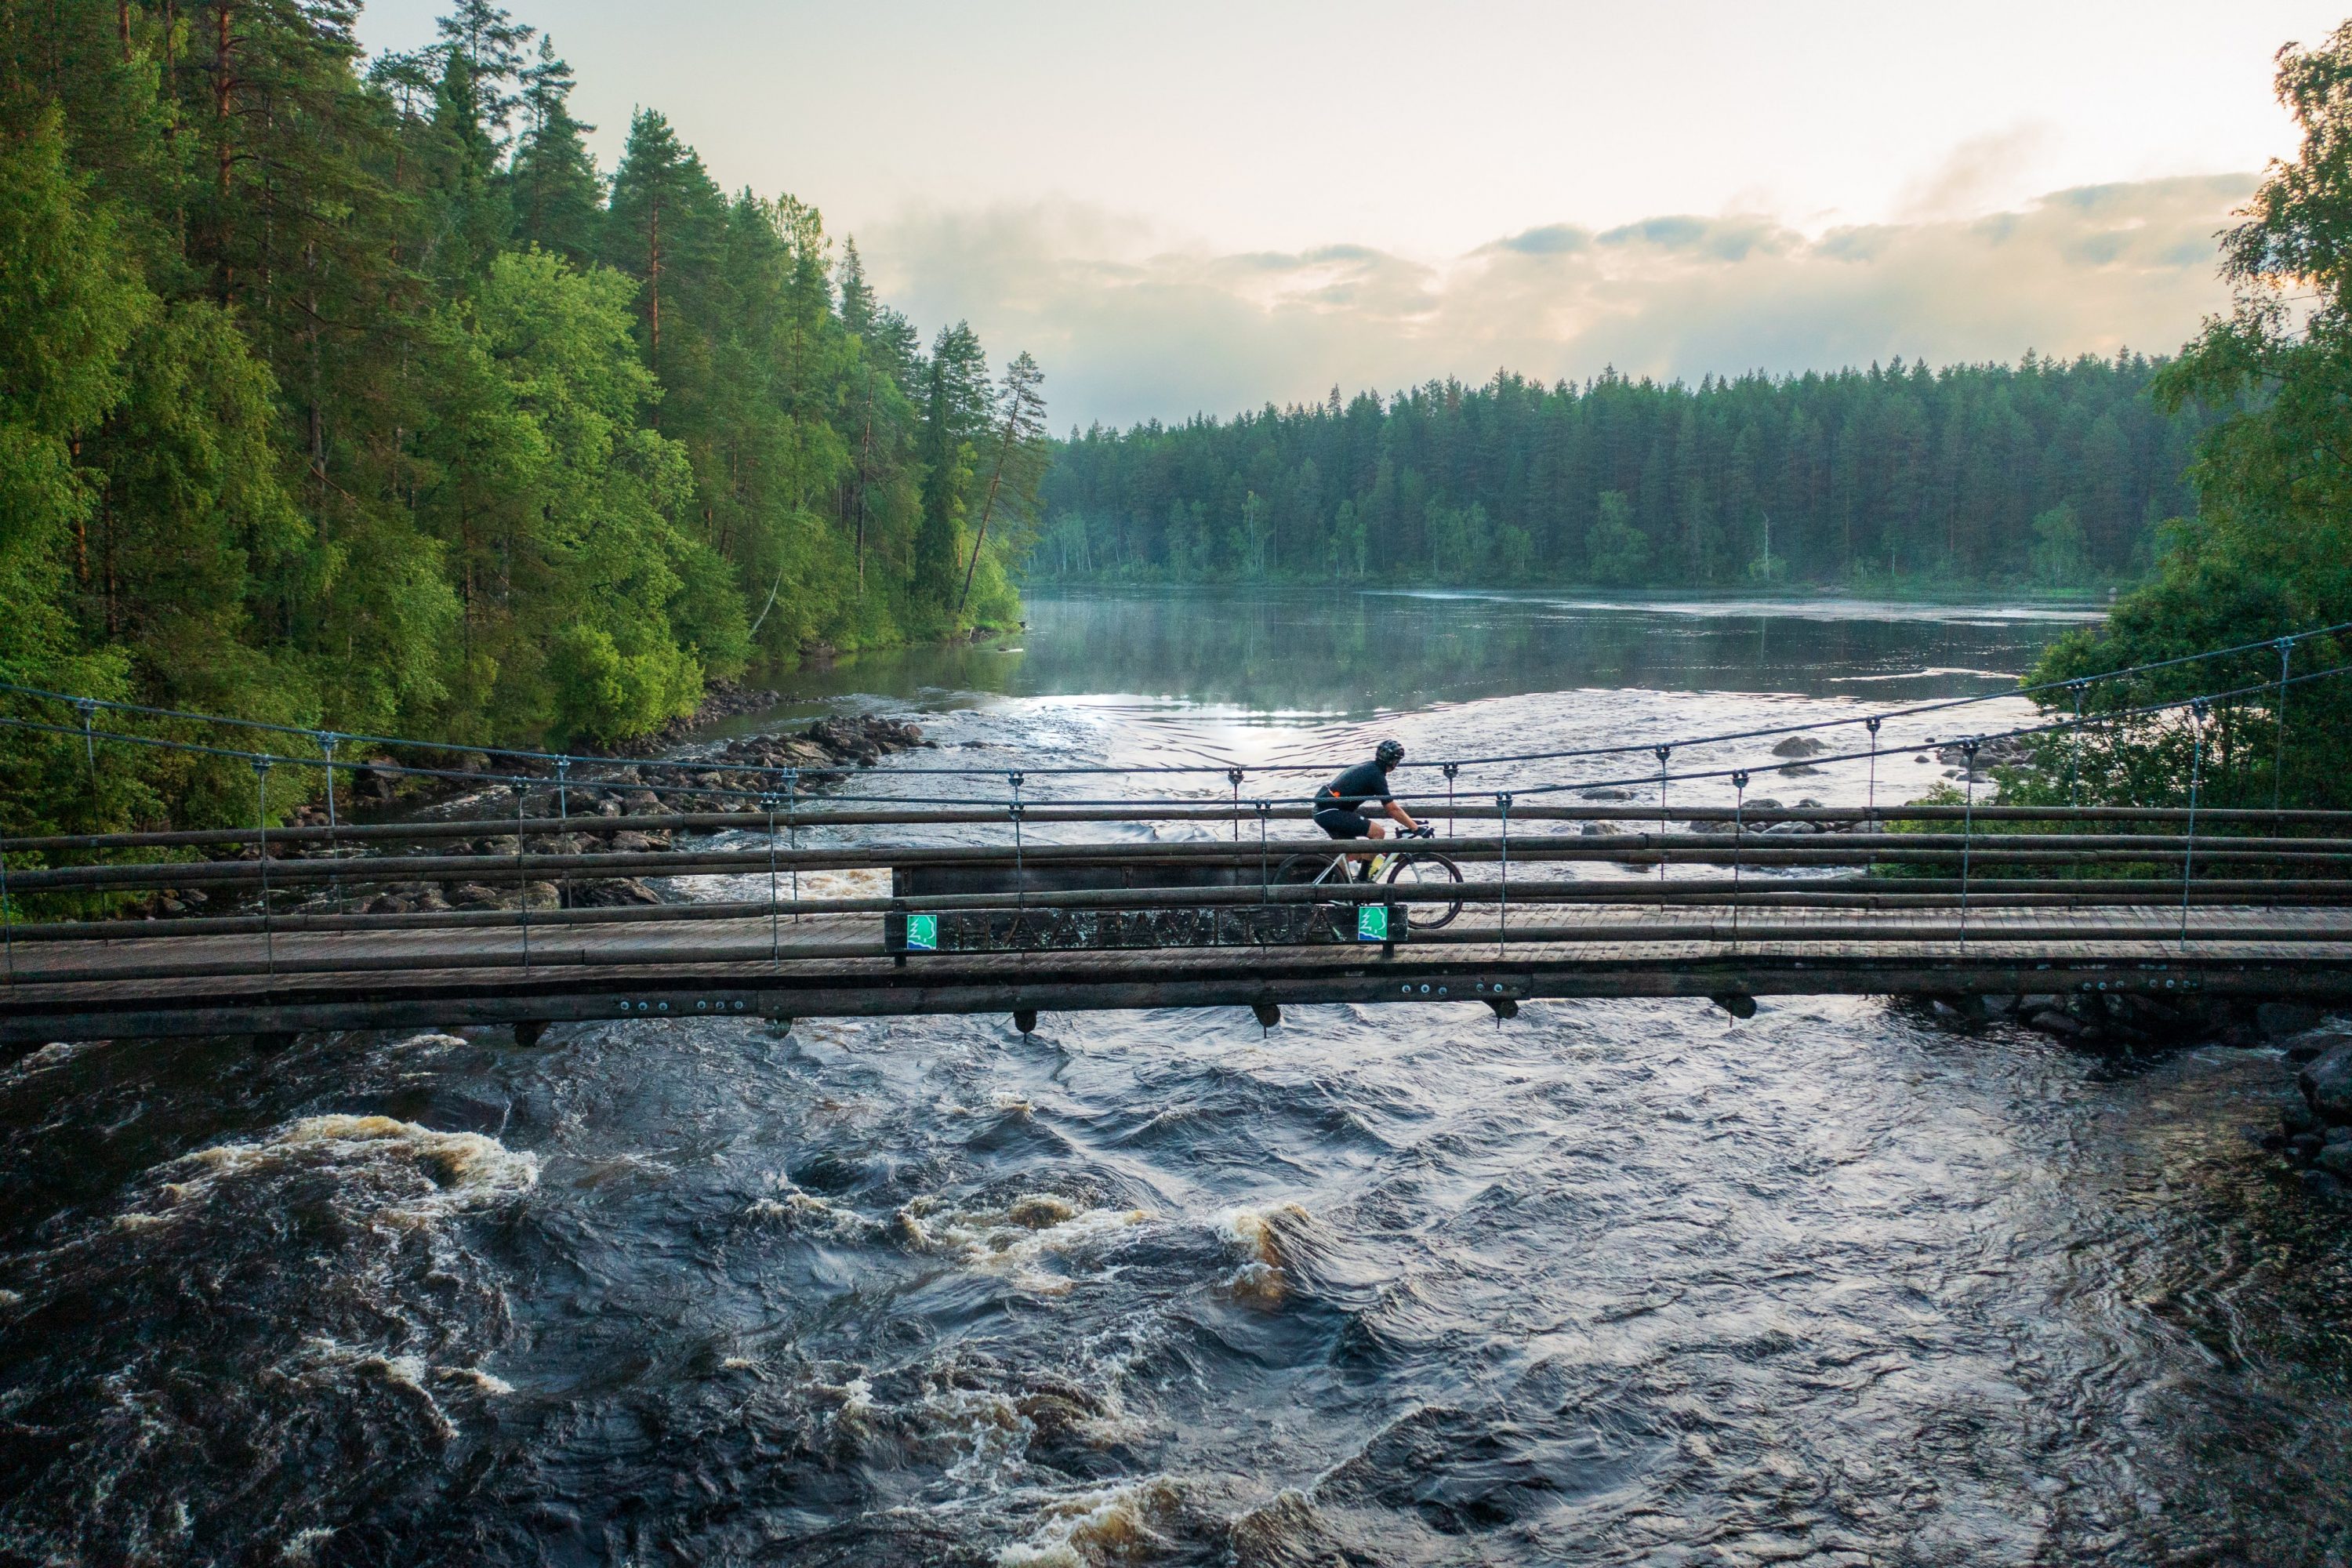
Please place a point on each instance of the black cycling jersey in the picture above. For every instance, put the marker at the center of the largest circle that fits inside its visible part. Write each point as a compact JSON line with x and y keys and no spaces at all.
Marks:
{"x":1355,"y":789}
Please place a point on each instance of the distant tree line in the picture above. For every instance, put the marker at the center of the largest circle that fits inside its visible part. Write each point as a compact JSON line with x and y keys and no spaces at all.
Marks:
{"x":350,"y":392}
{"x":2048,"y":472}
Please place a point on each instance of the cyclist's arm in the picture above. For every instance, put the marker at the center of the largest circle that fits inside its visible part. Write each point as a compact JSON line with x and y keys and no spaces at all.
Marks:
{"x":1401,"y":816}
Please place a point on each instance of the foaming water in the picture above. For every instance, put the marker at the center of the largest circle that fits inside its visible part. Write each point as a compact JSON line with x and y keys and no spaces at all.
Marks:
{"x":1616,"y":1282}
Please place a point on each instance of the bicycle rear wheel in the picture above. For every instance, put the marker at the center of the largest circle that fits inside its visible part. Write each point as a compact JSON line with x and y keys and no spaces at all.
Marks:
{"x":1295,"y":869}
{"x":1427,"y":874}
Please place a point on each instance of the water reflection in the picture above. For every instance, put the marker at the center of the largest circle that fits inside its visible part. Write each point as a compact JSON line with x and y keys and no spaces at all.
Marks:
{"x":1349,"y":654}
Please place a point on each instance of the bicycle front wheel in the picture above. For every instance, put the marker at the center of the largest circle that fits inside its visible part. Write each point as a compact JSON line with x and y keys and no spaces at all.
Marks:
{"x":1428,"y":875}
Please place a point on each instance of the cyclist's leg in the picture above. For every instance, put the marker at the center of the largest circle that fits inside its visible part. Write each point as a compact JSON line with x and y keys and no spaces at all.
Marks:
{"x":1348,"y":824}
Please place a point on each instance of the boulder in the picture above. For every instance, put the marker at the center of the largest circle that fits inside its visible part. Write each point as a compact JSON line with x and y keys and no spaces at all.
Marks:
{"x":2305,"y":1048}
{"x":2277,"y":1020}
{"x":474,"y":896}
{"x":612,"y":893}
{"x":2051,"y":1021}
{"x":2326,"y":1084}
{"x":1799,"y":746}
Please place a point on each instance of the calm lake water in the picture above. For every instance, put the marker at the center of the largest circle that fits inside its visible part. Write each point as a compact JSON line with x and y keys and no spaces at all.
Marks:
{"x":1616,"y":1282}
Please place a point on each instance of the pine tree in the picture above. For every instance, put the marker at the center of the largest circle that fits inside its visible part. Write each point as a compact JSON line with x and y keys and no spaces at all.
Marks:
{"x":556,"y":194}
{"x":1021,"y":412}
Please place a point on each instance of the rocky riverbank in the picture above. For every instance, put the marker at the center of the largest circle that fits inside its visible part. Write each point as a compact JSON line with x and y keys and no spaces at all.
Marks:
{"x":2124,"y":1020}
{"x":733,"y":776}
{"x":2315,"y":1130}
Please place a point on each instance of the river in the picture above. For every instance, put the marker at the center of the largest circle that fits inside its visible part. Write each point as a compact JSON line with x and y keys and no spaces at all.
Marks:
{"x":1616,"y":1282}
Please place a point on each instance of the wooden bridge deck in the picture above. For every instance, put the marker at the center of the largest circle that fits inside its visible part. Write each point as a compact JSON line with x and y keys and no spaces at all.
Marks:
{"x":126,"y":983}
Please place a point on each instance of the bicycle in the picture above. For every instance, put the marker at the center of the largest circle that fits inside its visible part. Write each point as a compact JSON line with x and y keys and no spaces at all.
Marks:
{"x":1418,"y":870}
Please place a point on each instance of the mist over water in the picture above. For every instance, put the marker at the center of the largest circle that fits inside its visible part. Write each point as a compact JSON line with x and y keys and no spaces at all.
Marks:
{"x":1616,"y":1282}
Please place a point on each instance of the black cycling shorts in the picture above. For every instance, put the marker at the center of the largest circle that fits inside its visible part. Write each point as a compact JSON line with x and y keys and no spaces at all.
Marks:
{"x":1341,"y":823}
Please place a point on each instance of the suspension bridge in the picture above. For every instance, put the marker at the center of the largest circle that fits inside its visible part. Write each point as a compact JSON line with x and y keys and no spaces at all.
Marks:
{"x":772,"y":892}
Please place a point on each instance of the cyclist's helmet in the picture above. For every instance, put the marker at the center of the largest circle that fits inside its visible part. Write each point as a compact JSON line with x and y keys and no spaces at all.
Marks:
{"x":1388,"y":753}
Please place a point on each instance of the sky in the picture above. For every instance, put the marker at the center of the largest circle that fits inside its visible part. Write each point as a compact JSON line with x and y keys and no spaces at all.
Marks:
{"x":1212,"y":207}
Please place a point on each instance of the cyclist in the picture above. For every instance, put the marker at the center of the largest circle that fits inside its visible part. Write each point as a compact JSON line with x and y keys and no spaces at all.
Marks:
{"x":1340,"y":805}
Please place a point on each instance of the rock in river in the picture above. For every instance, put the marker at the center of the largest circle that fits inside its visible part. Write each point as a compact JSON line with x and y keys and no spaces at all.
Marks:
{"x":2326,"y":1083}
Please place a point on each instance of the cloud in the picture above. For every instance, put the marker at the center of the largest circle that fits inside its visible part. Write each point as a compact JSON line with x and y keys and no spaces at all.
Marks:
{"x":1978,"y":174}
{"x":1130,"y":325}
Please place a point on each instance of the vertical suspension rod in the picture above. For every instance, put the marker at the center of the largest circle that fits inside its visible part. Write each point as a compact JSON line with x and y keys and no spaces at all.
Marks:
{"x":1503,"y":907}
{"x":261,"y":835}
{"x":1968,"y":824}
{"x":2196,"y":780}
{"x":1662,"y":753}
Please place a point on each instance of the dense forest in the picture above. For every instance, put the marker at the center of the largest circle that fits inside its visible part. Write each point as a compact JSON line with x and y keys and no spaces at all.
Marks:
{"x":348,"y":390}
{"x":2050,"y":473}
